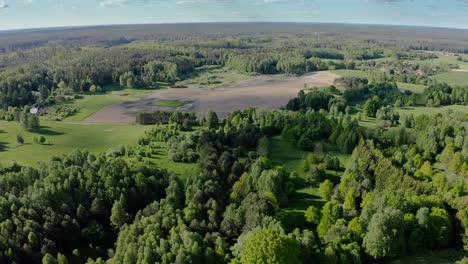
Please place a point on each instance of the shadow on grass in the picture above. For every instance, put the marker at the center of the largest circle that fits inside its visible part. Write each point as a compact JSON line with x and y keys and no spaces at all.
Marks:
{"x":3,"y":146}
{"x":46,"y":131}
{"x":301,"y":201}
{"x":293,"y":216}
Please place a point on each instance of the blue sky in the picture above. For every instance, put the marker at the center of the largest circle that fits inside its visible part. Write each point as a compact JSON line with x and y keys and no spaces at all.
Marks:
{"x":16,"y":14}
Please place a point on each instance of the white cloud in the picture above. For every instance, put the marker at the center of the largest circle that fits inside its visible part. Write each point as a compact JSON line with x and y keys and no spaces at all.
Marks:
{"x":184,"y":2}
{"x":109,"y":3}
{"x":4,"y":5}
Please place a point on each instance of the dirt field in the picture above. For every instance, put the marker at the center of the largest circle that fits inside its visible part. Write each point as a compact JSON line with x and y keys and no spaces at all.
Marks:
{"x":262,"y":91}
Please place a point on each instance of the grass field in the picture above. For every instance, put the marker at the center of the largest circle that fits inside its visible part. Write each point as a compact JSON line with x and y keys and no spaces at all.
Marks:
{"x":168,"y":103}
{"x":385,"y":59}
{"x":453,"y":78}
{"x":63,"y":138}
{"x":161,"y":160}
{"x":286,"y":155}
{"x":414,"y":88}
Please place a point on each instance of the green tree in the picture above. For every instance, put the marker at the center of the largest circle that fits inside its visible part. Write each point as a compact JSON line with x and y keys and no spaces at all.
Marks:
{"x":312,"y":215}
{"x":355,"y":227}
{"x":326,"y":189}
{"x":263,"y":147}
{"x":44,"y":92}
{"x":331,"y":212}
{"x":398,"y":103}
{"x":61,"y":259}
{"x":270,"y":247}
{"x":385,"y":234}
{"x":211,"y":119}
{"x":33,"y":123}
{"x":49,"y":259}
{"x":350,"y":200}
{"x":118,"y":214}
{"x":371,"y":106}
{"x":19,"y":139}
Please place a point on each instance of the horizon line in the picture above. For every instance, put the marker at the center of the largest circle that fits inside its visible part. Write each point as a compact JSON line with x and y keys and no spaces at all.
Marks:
{"x":82,"y":26}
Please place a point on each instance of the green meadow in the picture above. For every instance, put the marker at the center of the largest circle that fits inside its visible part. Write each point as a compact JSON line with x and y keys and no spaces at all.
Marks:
{"x":168,"y":103}
{"x":453,"y":78}
{"x":352,"y":73}
{"x":414,"y":88}
{"x":62,"y":138}
{"x":161,"y":160}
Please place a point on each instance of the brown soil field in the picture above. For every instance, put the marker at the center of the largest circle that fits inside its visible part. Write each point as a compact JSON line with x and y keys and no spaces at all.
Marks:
{"x":265,"y":91}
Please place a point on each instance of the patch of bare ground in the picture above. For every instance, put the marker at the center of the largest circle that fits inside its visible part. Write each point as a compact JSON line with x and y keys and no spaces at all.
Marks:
{"x":265,"y":91}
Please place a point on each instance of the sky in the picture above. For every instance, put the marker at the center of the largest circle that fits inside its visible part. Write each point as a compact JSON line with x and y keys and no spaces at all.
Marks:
{"x":17,"y":14}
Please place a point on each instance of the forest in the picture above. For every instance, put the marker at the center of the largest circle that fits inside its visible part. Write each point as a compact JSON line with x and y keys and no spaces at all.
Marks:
{"x":346,"y":173}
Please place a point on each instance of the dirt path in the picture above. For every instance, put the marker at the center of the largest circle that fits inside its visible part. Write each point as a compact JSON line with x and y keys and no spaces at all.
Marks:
{"x":262,"y":91}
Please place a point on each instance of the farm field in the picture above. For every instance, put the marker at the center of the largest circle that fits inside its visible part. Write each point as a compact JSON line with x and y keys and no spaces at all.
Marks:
{"x":267,"y":91}
{"x":63,"y":138}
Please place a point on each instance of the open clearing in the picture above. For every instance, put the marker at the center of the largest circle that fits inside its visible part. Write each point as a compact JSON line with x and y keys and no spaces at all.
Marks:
{"x":265,"y":91}
{"x":283,"y":153}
